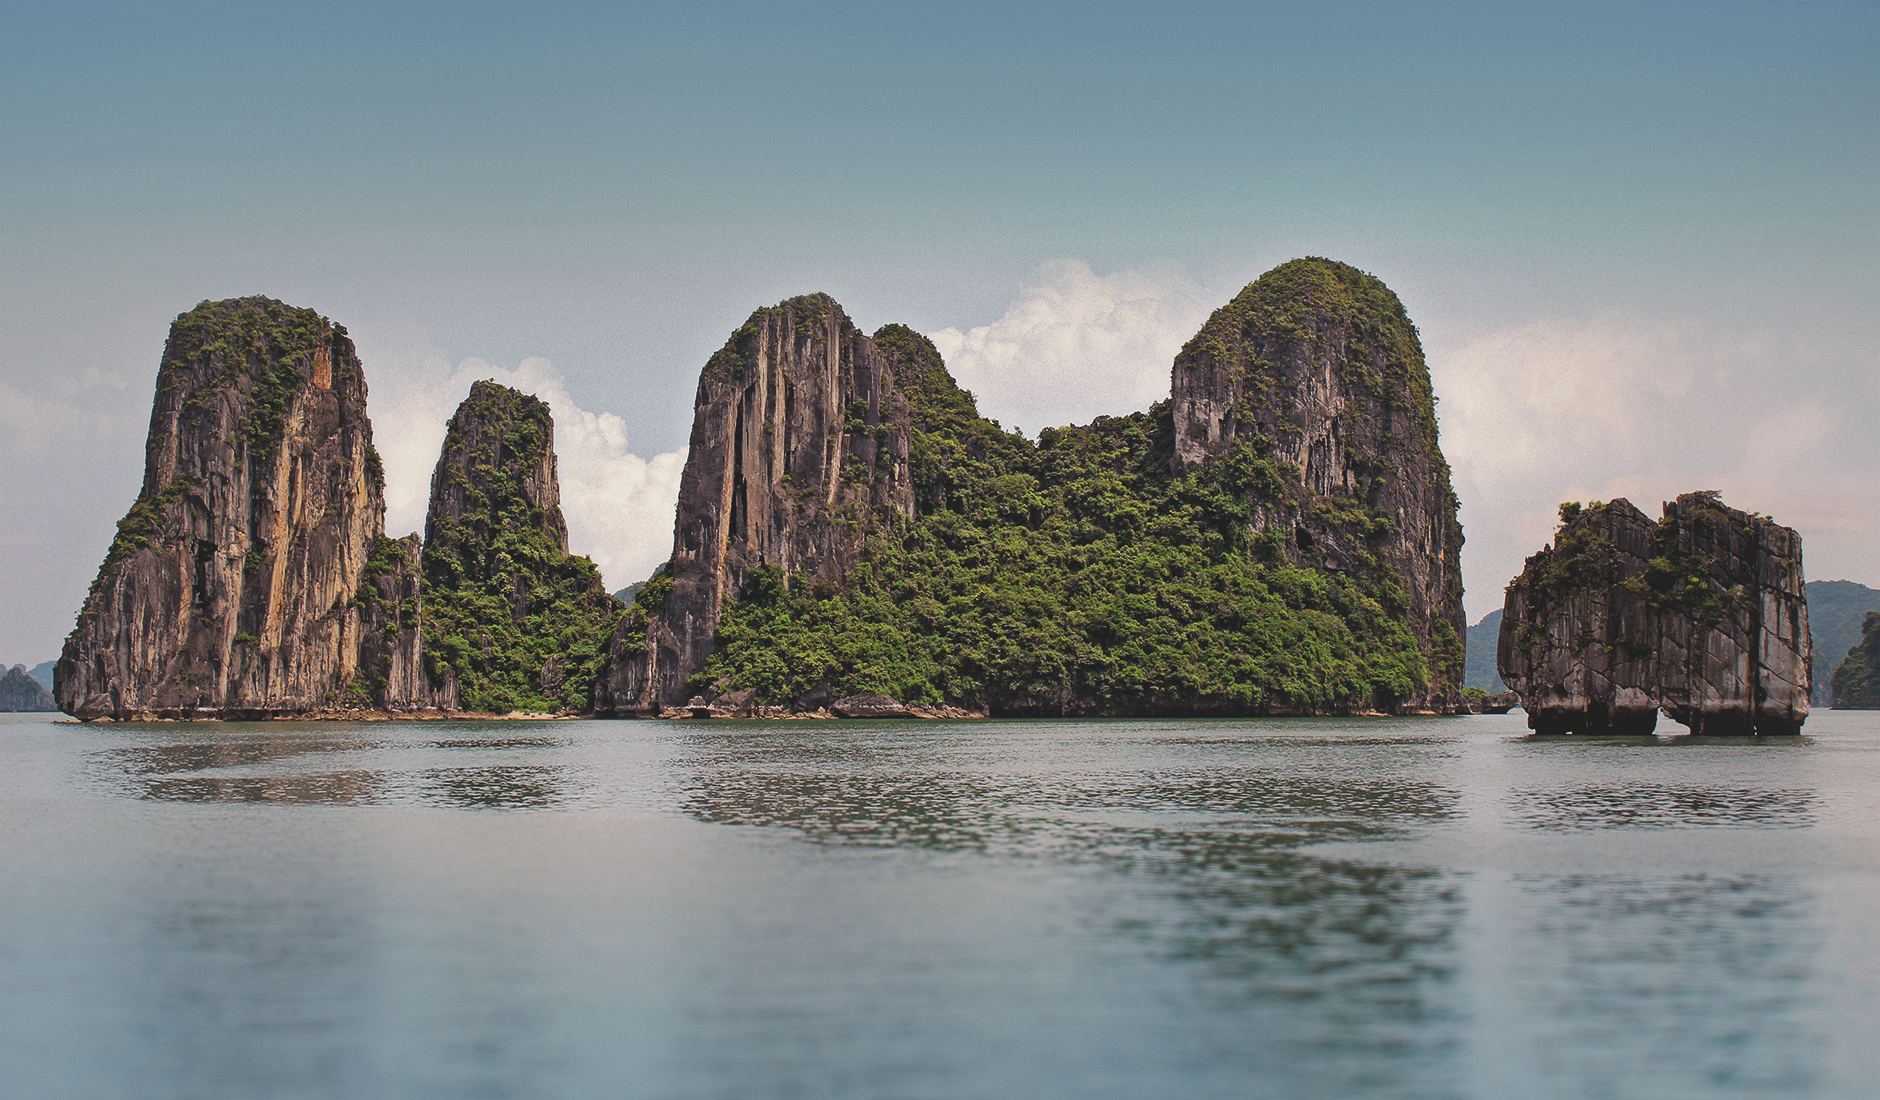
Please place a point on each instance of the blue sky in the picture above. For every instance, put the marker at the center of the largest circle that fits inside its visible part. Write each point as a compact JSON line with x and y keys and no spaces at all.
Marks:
{"x":1642,"y":241}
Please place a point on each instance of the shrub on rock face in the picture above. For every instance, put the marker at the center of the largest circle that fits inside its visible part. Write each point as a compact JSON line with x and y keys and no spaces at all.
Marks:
{"x":1701,"y":614}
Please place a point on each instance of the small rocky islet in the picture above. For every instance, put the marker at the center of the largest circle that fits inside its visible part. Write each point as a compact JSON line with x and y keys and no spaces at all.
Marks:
{"x":1701,"y":614}
{"x":853,"y":539}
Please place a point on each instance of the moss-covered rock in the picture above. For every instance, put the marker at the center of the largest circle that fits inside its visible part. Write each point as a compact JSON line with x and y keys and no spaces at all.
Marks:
{"x":517,"y":621}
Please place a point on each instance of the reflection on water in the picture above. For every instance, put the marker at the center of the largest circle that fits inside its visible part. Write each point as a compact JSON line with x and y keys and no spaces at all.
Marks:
{"x":509,"y":787}
{"x":1658,"y":805}
{"x":268,"y":766}
{"x":1692,"y":982}
{"x":178,"y":772}
{"x":1200,"y":866}
{"x":932,"y":811}
{"x":349,"y":788}
{"x":231,"y":753}
{"x":907,"y":792}
{"x":1131,"y":909}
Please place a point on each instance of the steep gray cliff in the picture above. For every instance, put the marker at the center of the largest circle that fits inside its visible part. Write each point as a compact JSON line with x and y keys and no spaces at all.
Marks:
{"x":1702,"y":614}
{"x":799,"y":440}
{"x":1577,"y":644}
{"x":1316,"y":365}
{"x":232,"y":587}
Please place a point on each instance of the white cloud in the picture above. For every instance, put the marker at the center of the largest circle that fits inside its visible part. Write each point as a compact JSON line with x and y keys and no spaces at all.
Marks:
{"x":619,"y":505}
{"x":1646,"y":409}
{"x":1078,"y":345}
{"x":33,"y":425}
{"x":1534,"y":414}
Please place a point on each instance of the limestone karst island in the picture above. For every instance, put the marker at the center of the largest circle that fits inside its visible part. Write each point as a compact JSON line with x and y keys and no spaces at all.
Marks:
{"x":853,"y":538}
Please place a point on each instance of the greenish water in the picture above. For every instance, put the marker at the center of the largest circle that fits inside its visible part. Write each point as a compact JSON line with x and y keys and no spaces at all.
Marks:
{"x":1309,"y":908}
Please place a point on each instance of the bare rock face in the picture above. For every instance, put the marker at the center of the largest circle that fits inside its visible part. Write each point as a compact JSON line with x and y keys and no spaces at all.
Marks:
{"x":20,"y":692}
{"x":1582,"y":644}
{"x":1316,"y":365}
{"x":231,"y":588}
{"x":1701,"y":614}
{"x":800,"y":438}
{"x":516,"y":621}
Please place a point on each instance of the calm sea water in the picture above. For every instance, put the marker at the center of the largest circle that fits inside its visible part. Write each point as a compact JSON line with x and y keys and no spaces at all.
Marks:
{"x":1432,"y":907}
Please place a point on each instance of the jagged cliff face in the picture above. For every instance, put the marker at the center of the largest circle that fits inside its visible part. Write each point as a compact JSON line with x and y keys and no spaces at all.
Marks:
{"x":230,"y":588}
{"x":509,"y":615}
{"x":1317,"y":366}
{"x":1579,"y":643}
{"x":498,"y":457}
{"x":799,"y":439}
{"x":1702,"y":615}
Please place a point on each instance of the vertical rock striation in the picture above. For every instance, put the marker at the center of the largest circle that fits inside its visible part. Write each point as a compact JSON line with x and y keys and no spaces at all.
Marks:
{"x":1576,"y":643}
{"x":1316,"y":365}
{"x":518,"y":622}
{"x":230,"y":589}
{"x":392,"y":662}
{"x":1702,"y":615}
{"x":799,"y":439}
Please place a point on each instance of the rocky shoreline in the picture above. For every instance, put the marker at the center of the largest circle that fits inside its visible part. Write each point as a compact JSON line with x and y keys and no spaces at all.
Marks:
{"x":860,"y":708}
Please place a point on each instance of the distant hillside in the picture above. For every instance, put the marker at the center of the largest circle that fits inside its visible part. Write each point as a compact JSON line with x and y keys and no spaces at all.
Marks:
{"x":1857,"y":679}
{"x":1835,"y":611}
{"x":626,"y":594}
{"x":43,"y":673}
{"x":1479,"y":670}
{"x":20,"y":692}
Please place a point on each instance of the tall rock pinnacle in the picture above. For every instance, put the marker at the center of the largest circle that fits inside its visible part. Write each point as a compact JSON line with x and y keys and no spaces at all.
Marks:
{"x":232,"y":587}
{"x":798,"y":437}
{"x":1316,"y":365}
{"x":519,"y":622}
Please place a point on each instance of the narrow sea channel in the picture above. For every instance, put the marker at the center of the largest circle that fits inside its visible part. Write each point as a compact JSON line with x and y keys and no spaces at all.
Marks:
{"x":1430,"y":907}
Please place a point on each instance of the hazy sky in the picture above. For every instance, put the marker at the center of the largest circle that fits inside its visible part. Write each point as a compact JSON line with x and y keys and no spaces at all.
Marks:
{"x":1642,"y":241}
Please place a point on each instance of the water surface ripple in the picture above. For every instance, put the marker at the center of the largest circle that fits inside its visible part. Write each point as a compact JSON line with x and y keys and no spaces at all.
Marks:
{"x":1282,"y":908}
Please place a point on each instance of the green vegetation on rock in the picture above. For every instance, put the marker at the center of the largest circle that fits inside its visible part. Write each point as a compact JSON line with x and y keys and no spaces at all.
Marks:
{"x":1079,"y":567}
{"x":1836,"y":610}
{"x":521,"y":623}
{"x":139,"y":525}
{"x":277,"y":340}
{"x":1857,"y":678}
